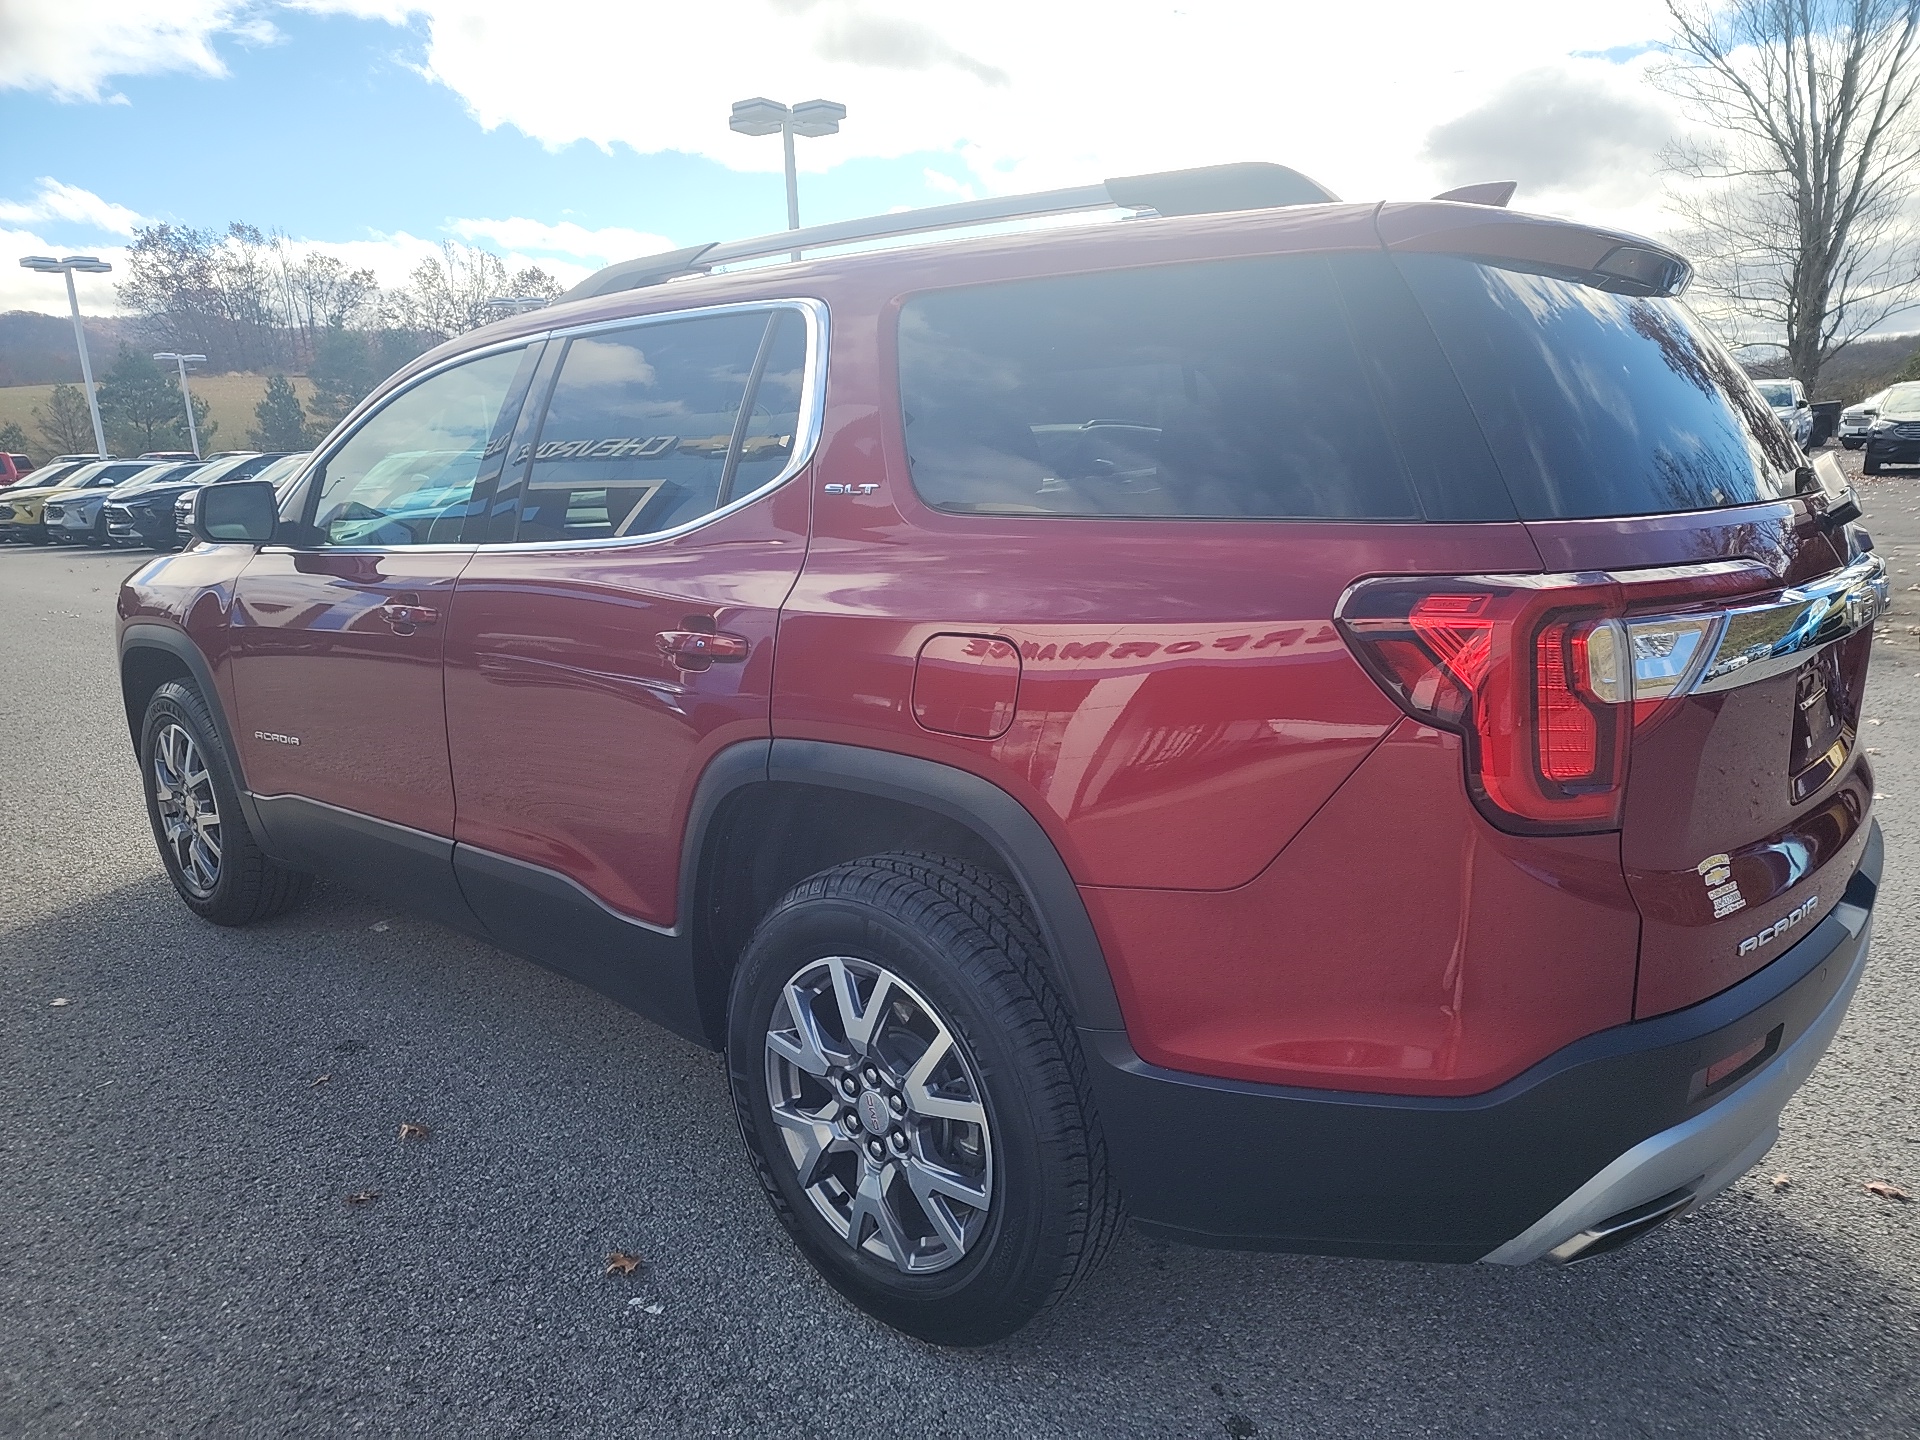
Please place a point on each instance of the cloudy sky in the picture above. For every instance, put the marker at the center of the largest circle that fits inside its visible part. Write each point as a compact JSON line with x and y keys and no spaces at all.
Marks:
{"x":572,"y":133}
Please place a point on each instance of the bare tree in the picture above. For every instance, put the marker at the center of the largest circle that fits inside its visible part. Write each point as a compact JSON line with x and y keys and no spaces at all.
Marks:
{"x":318,"y":293}
{"x":1801,"y":221}
{"x":448,"y":295}
{"x":66,"y":424}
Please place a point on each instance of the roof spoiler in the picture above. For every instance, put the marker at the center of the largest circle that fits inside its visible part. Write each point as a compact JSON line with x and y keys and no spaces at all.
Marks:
{"x":1208,"y":190}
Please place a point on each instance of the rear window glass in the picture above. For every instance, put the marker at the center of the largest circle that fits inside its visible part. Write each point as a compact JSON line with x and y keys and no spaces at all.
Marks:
{"x":1230,"y":389}
{"x":1599,"y":404}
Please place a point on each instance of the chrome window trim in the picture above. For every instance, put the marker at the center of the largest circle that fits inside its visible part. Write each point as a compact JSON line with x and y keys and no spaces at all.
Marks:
{"x":813,"y":390}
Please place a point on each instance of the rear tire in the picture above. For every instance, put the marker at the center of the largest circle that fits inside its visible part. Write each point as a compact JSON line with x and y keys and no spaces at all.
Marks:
{"x":982,"y":1172}
{"x":1850,"y":444}
{"x":193,"y":804}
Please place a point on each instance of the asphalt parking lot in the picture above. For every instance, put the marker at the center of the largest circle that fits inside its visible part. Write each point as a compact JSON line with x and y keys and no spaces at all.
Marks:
{"x":179,"y":1138}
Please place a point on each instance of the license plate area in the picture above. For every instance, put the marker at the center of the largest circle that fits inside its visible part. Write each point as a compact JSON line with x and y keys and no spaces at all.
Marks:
{"x":1823,"y":724}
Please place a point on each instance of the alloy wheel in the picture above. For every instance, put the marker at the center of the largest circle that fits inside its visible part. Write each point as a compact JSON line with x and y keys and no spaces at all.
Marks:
{"x":881,"y":1113}
{"x":189,"y":812}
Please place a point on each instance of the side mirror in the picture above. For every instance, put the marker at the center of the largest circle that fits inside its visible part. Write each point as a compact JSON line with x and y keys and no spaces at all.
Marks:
{"x":1838,"y":505}
{"x":1800,"y":404}
{"x":235,"y":512}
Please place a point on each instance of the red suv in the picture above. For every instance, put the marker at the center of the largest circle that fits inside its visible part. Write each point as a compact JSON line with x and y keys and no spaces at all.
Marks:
{"x":1329,"y":727}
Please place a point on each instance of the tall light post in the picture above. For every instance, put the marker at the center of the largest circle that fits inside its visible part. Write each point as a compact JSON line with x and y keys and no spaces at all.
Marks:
{"x":86,"y":265}
{"x":182,"y":361}
{"x":760,"y":116}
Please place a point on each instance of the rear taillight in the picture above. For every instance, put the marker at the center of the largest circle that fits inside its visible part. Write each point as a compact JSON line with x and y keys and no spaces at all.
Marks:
{"x":1547,"y":677}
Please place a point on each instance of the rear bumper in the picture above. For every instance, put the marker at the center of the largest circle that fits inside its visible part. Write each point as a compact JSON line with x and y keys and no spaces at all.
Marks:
{"x":1582,"y":1148}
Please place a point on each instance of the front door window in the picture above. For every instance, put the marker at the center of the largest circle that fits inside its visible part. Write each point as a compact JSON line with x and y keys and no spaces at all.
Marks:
{"x":408,"y":475}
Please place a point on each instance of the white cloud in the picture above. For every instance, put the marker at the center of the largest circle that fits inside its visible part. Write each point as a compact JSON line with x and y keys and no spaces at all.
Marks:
{"x":70,"y":50}
{"x":1581,"y":130}
{"x":1024,"y":94}
{"x":56,"y":201}
{"x":30,"y":290}
{"x":566,"y":240}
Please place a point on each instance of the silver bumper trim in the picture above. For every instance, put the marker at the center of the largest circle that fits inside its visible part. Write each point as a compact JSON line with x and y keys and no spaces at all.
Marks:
{"x":1713,"y":1149}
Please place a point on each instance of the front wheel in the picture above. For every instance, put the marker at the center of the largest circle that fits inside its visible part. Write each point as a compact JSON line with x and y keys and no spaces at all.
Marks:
{"x":1869,"y":466}
{"x":193,"y":805}
{"x":914,"y":1100}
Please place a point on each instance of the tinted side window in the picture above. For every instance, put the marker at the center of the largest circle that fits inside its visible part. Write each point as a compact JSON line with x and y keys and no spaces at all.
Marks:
{"x":1226,"y":389}
{"x":650,"y":427}
{"x":1601,"y":404}
{"x":407,"y":475}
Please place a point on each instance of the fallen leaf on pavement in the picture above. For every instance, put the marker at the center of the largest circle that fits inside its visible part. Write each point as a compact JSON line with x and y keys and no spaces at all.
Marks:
{"x":655,"y":1308}
{"x":1886,"y":1191}
{"x":414,"y":1132}
{"x":363,"y":1197}
{"x":318,"y":1080}
{"x":1875,"y":722}
{"x":1782,"y":1181}
{"x":1872,"y":751}
{"x":381,"y":926}
{"x":621,"y":1263}
{"x":58,"y":1001}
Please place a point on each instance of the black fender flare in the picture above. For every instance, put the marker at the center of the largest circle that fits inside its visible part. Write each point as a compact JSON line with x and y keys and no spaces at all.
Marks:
{"x":148,"y":635}
{"x":965,"y":798}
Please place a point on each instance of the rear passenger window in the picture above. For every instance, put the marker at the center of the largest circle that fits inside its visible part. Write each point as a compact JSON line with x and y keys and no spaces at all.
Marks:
{"x":1228,"y":389}
{"x":652,"y":427}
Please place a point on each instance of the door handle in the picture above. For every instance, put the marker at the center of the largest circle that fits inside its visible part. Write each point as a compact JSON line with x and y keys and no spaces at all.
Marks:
{"x":405,"y":619}
{"x":697,"y":649}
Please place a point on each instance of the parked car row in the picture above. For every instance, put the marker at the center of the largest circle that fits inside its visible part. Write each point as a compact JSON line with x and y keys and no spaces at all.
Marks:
{"x":88,"y":501}
{"x":1887,"y":425}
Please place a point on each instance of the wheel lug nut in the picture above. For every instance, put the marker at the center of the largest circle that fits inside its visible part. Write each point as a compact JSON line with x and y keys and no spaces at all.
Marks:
{"x":871,"y":1075}
{"x":898,"y":1140}
{"x":876,"y":1150}
{"x":896,"y":1105}
{"x":848,"y":1087}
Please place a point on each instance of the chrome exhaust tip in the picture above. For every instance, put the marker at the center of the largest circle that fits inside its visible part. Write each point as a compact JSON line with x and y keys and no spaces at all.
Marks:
{"x":1621,"y":1229}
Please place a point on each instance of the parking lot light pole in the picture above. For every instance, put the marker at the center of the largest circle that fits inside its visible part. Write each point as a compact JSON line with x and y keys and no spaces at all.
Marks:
{"x":186,"y":395}
{"x":760,"y":116}
{"x":86,"y":265}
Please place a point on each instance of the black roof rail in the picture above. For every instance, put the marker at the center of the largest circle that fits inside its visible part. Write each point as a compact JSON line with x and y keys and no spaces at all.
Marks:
{"x":1208,"y":190}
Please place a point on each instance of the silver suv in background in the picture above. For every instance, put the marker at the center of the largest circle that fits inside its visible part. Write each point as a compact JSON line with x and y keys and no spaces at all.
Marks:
{"x":1856,"y":420}
{"x":1788,"y":399}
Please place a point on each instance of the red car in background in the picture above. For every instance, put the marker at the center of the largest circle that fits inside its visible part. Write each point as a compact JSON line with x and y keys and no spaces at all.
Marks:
{"x":1329,"y":727}
{"x":14,"y":468}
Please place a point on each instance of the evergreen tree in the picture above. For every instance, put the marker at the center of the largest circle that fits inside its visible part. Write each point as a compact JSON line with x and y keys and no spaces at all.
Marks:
{"x":65,"y":424}
{"x":280,"y":423}
{"x":13,"y":440}
{"x":140,"y":406}
{"x":343,"y":372}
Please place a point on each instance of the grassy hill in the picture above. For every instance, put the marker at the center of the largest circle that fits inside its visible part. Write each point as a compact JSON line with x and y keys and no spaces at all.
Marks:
{"x":230,"y":400}
{"x":1857,"y":371}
